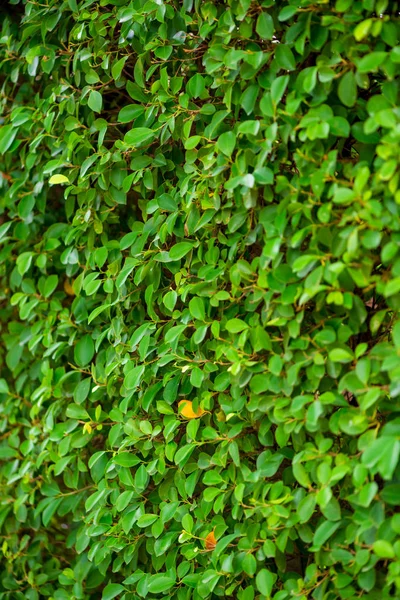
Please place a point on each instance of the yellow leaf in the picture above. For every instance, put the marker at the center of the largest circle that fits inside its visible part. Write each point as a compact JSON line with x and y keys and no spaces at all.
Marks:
{"x":54,"y":179}
{"x":186,"y":410}
{"x":221,"y":417}
{"x":68,"y":288}
{"x":210,"y":541}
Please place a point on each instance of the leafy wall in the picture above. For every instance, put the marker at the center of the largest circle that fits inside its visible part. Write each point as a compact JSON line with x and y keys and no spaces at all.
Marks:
{"x":200,"y":286}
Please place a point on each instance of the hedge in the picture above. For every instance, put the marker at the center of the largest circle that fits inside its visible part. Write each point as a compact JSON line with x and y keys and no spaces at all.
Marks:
{"x":200,"y":294}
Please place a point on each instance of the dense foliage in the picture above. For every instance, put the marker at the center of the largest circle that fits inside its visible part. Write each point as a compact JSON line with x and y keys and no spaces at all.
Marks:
{"x":200,"y":288}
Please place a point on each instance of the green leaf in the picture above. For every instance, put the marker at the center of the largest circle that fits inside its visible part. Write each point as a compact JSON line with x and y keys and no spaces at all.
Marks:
{"x":306,"y":508}
{"x":362,"y":29}
{"x":183,"y":455}
{"x":278,"y":88}
{"x":138,"y":136}
{"x":265,"y":581}
{"x":324,"y":532}
{"x":340,"y":355}
{"x":4,"y":389}
{"x":347,"y":90}
{"x":50,"y":285}
{"x":112,"y":590}
{"x":285,"y":57}
{"x":196,"y":86}
{"x":192,"y":142}
{"x":396,"y":335}
{"x":7,"y":136}
{"x":180,"y":250}
{"x":197,"y":309}
{"x":236,"y":325}
{"x":371,"y":62}
{"x":95,"y":101}
{"x":117,"y":68}
{"x":84,"y":351}
{"x":147,"y":520}
{"x":287,"y":12}
{"x":383,"y":549}
{"x":249,"y":564}
{"x":97,"y":311}
{"x":160,"y":584}
{"x":138,"y":72}
{"x":134,"y":377}
{"x":226,"y":143}
{"x":265,"y":26}
{"x":343,"y":196}
{"x":129,"y":113}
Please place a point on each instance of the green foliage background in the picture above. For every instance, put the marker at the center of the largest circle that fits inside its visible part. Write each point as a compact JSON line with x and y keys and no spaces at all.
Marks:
{"x":200,"y":200}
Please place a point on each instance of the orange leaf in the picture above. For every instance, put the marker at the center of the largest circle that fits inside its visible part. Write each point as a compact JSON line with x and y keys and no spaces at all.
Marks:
{"x":210,"y":541}
{"x":186,"y":410}
{"x":68,"y":288}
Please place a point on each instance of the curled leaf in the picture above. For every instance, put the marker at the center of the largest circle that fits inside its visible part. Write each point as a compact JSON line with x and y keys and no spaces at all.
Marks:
{"x":210,"y":541}
{"x":68,"y":288}
{"x":186,"y":410}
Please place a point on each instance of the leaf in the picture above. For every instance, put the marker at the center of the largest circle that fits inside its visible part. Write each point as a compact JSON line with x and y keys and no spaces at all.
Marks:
{"x":210,"y":541}
{"x":7,"y":136}
{"x":249,"y":564}
{"x":84,"y":351}
{"x":278,"y":88}
{"x":287,"y":12}
{"x":236,"y":325}
{"x":133,"y":378}
{"x":170,"y":299}
{"x":126,"y":459}
{"x":138,"y":136}
{"x":160,"y":584}
{"x":226,"y":143}
{"x":265,"y":581}
{"x":97,"y":311}
{"x":340,"y":355}
{"x":371,"y":62}
{"x":265,"y":26}
{"x":138,"y":72}
{"x":285,"y":57}
{"x":4,"y":389}
{"x":112,"y":590}
{"x":73,"y":5}
{"x":396,"y":335}
{"x":324,"y":532}
{"x":306,"y":508}
{"x":383,"y":549}
{"x":147,"y":520}
{"x":362,"y":29}
{"x":186,"y":410}
{"x":196,"y":85}
{"x":183,"y":454}
{"x":130,"y":113}
{"x":50,"y":285}
{"x":343,"y":196}
{"x":4,"y":229}
{"x":347,"y":90}
{"x":117,"y":68}
{"x":180,"y":250}
{"x":197,"y":308}
{"x":95,"y":101}
{"x":57,"y":179}
{"x":192,"y":142}
{"x":68,"y":288}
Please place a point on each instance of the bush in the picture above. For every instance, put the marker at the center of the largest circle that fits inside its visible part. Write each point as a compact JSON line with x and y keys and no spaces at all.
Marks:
{"x":200,"y":269}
